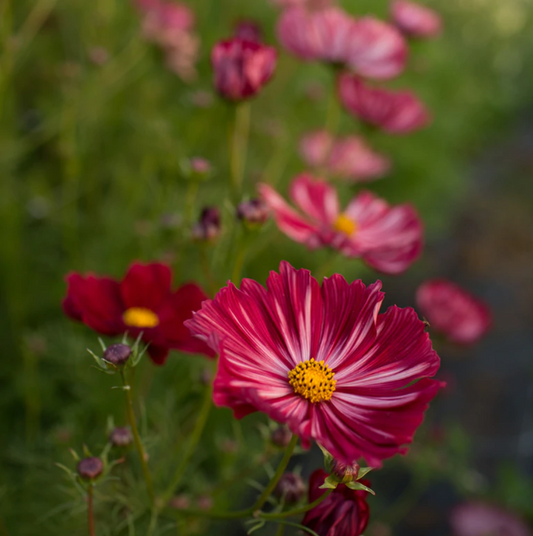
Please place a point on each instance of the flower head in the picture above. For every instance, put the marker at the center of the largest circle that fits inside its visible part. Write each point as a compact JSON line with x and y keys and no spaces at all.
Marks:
{"x":462,"y":317}
{"x":387,"y":238}
{"x":248,"y":30}
{"x":415,"y":20}
{"x":142,"y":302}
{"x":481,"y":519}
{"x":290,"y":488}
{"x":253,"y":212}
{"x":90,"y":468}
{"x":344,"y":513}
{"x":208,"y":226}
{"x":322,"y":360}
{"x":396,"y":112}
{"x":241,"y":68}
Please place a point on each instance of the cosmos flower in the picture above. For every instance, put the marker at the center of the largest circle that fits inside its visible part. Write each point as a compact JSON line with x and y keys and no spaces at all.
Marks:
{"x":142,"y":302}
{"x":349,"y":158}
{"x":462,"y":317}
{"x":481,"y":519}
{"x":322,"y":360}
{"x":387,"y":238}
{"x":241,"y":68}
{"x":344,"y":513}
{"x":415,"y":20}
{"x":396,"y":112}
{"x":370,"y":47}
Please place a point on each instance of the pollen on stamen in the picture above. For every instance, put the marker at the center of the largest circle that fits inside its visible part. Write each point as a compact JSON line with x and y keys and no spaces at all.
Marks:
{"x":313,"y":380}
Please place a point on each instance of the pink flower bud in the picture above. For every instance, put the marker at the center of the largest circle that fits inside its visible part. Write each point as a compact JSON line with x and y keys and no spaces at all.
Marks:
{"x":90,"y":468}
{"x":117,"y":354}
{"x":416,"y":20}
{"x":121,"y":436}
{"x":208,"y":227}
{"x":290,"y":487}
{"x":249,"y":31}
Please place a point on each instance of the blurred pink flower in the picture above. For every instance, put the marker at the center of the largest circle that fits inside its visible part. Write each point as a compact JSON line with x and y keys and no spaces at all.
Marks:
{"x":396,"y":112}
{"x":371,"y":47}
{"x":241,"y":68}
{"x":323,"y":360}
{"x":248,"y":30}
{"x":415,"y":20}
{"x":311,"y":4}
{"x":481,"y":519}
{"x":347,"y":158}
{"x":462,"y":317}
{"x":387,"y":238}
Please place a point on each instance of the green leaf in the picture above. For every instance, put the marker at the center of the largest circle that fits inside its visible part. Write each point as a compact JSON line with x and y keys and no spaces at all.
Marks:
{"x":363,"y":471}
{"x":330,"y":483}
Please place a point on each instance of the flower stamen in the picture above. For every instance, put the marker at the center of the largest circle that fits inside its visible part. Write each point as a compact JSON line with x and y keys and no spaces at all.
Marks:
{"x":345,"y":225}
{"x":140,"y":317}
{"x":313,"y":380}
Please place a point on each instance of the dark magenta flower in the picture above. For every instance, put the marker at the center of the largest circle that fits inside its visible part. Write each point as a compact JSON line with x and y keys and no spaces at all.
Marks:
{"x":462,"y":317}
{"x":248,"y":30}
{"x":143,"y":302}
{"x":241,"y":68}
{"x":396,"y":112}
{"x":415,"y":20}
{"x":388,"y":238}
{"x":344,"y":513}
{"x":323,"y":360}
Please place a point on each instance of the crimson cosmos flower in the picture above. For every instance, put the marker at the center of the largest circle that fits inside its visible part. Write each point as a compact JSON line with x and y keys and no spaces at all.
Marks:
{"x":344,"y":513}
{"x":387,"y":238}
{"x":322,"y":360}
{"x":241,"y":68}
{"x":415,"y":20}
{"x":371,"y":47}
{"x":142,"y":302}
{"x":482,"y":519}
{"x":349,"y":158}
{"x":462,"y":317}
{"x":396,"y":112}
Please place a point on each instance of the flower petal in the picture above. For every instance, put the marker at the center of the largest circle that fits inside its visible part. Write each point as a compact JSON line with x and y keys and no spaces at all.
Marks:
{"x":146,"y":285}
{"x":316,"y":198}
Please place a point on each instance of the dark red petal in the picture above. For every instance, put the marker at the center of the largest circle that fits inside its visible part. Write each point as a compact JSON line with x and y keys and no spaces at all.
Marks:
{"x":158,"y":354}
{"x":146,"y":285}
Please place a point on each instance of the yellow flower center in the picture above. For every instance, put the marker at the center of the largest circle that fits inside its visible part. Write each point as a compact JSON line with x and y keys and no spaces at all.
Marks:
{"x":140,"y":317}
{"x":345,"y":225}
{"x":313,"y":380}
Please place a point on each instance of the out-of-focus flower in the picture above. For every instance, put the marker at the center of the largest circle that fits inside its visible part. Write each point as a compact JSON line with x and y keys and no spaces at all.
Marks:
{"x":281,"y":436}
{"x":121,"y":436}
{"x":371,"y":47}
{"x":396,"y":112}
{"x":253,"y":213}
{"x":248,"y":30}
{"x":200,"y":165}
{"x":170,"y":25}
{"x":387,"y":238}
{"x":344,"y":513}
{"x":454,"y":311}
{"x":241,"y":68}
{"x":415,"y":20}
{"x":322,"y":360}
{"x":481,"y":519}
{"x":90,"y":468}
{"x":208,"y":227}
{"x":290,"y":487}
{"x":142,"y":303}
{"x":349,"y":158}
{"x":311,"y":4}
{"x":98,"y":55}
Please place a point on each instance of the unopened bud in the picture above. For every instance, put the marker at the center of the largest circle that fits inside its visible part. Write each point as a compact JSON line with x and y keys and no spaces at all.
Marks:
{"x":117,"y":354}
{"x":180,"y":502}
{"x":208,"y":227}
{"x":253,"y":212}
{"x":90,"y":468}
{"x":344,"y":472}
{"x":204,"y":502}
{"x":200,"y":165}
{"x":281,"y":437}
{"x":291,"y":487}
{"x":121,"y":437}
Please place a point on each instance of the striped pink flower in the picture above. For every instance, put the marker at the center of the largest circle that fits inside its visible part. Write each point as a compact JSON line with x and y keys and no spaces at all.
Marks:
{"x":415,"y":20}
{"x":462,"y":317}
{"x":387,"y":238}
{"x":322,"y":360}
{"x":315,"y":148}
{"x":241,"y":68}
{"x":371,"y":47}
{"x":396,"y":112}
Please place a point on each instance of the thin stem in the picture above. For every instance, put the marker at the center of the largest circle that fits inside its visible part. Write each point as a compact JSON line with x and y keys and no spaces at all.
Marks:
{"x":192,"y":191}
{"x":239,"y":259}
{"x":239,"y":146}
{"x":90,"y":513}
{"x":208,"y":273}
{"x":281,"y":530}
{"x":196,"y":434}
{"x":137,"y":438}
{"x":298,"y":511}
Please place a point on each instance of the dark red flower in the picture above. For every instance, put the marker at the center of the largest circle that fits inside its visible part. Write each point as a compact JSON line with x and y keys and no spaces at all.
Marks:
{"x":241,"y":68}
{"x":142,"y":302}
{"x":344,"y":513}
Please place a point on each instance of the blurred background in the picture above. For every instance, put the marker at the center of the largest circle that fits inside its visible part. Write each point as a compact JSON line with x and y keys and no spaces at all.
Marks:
{"x":94,"y":130}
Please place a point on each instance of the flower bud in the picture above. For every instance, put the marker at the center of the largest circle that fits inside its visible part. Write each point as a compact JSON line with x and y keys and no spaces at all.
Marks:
{"x":208,"y":227}
{"x":343,"y":472}
{"x":248,"y":30}
{"x":90,"y":468}
{"x":290,"y":487}
{"x":121,"y":437}
{"x":201,"y":166}
{"x":253,"y":213}
{"x":281,"y":437}
{"x":117,"y":354}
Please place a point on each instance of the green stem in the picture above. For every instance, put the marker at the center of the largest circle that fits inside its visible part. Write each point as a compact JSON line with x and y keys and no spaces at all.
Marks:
{"x":298,"y":511}
{"x":239,"y":147}
{"x":333,"y":111}
{"x":137,"y":438}
{"x":239,"y":259}
{"x":90,"y":514}
{"x":192,"y":191}
{"x":281,"y":530}
{"x":208,"y":273}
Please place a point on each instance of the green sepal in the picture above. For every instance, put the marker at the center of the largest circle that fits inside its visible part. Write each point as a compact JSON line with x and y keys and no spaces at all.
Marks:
{"x":330,"y":483}
{"x":359,"y":486}
{"x":363,"y":471}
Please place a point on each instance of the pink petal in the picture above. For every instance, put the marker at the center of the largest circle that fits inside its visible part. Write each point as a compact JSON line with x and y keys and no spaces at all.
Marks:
{"x":315,"y":198}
